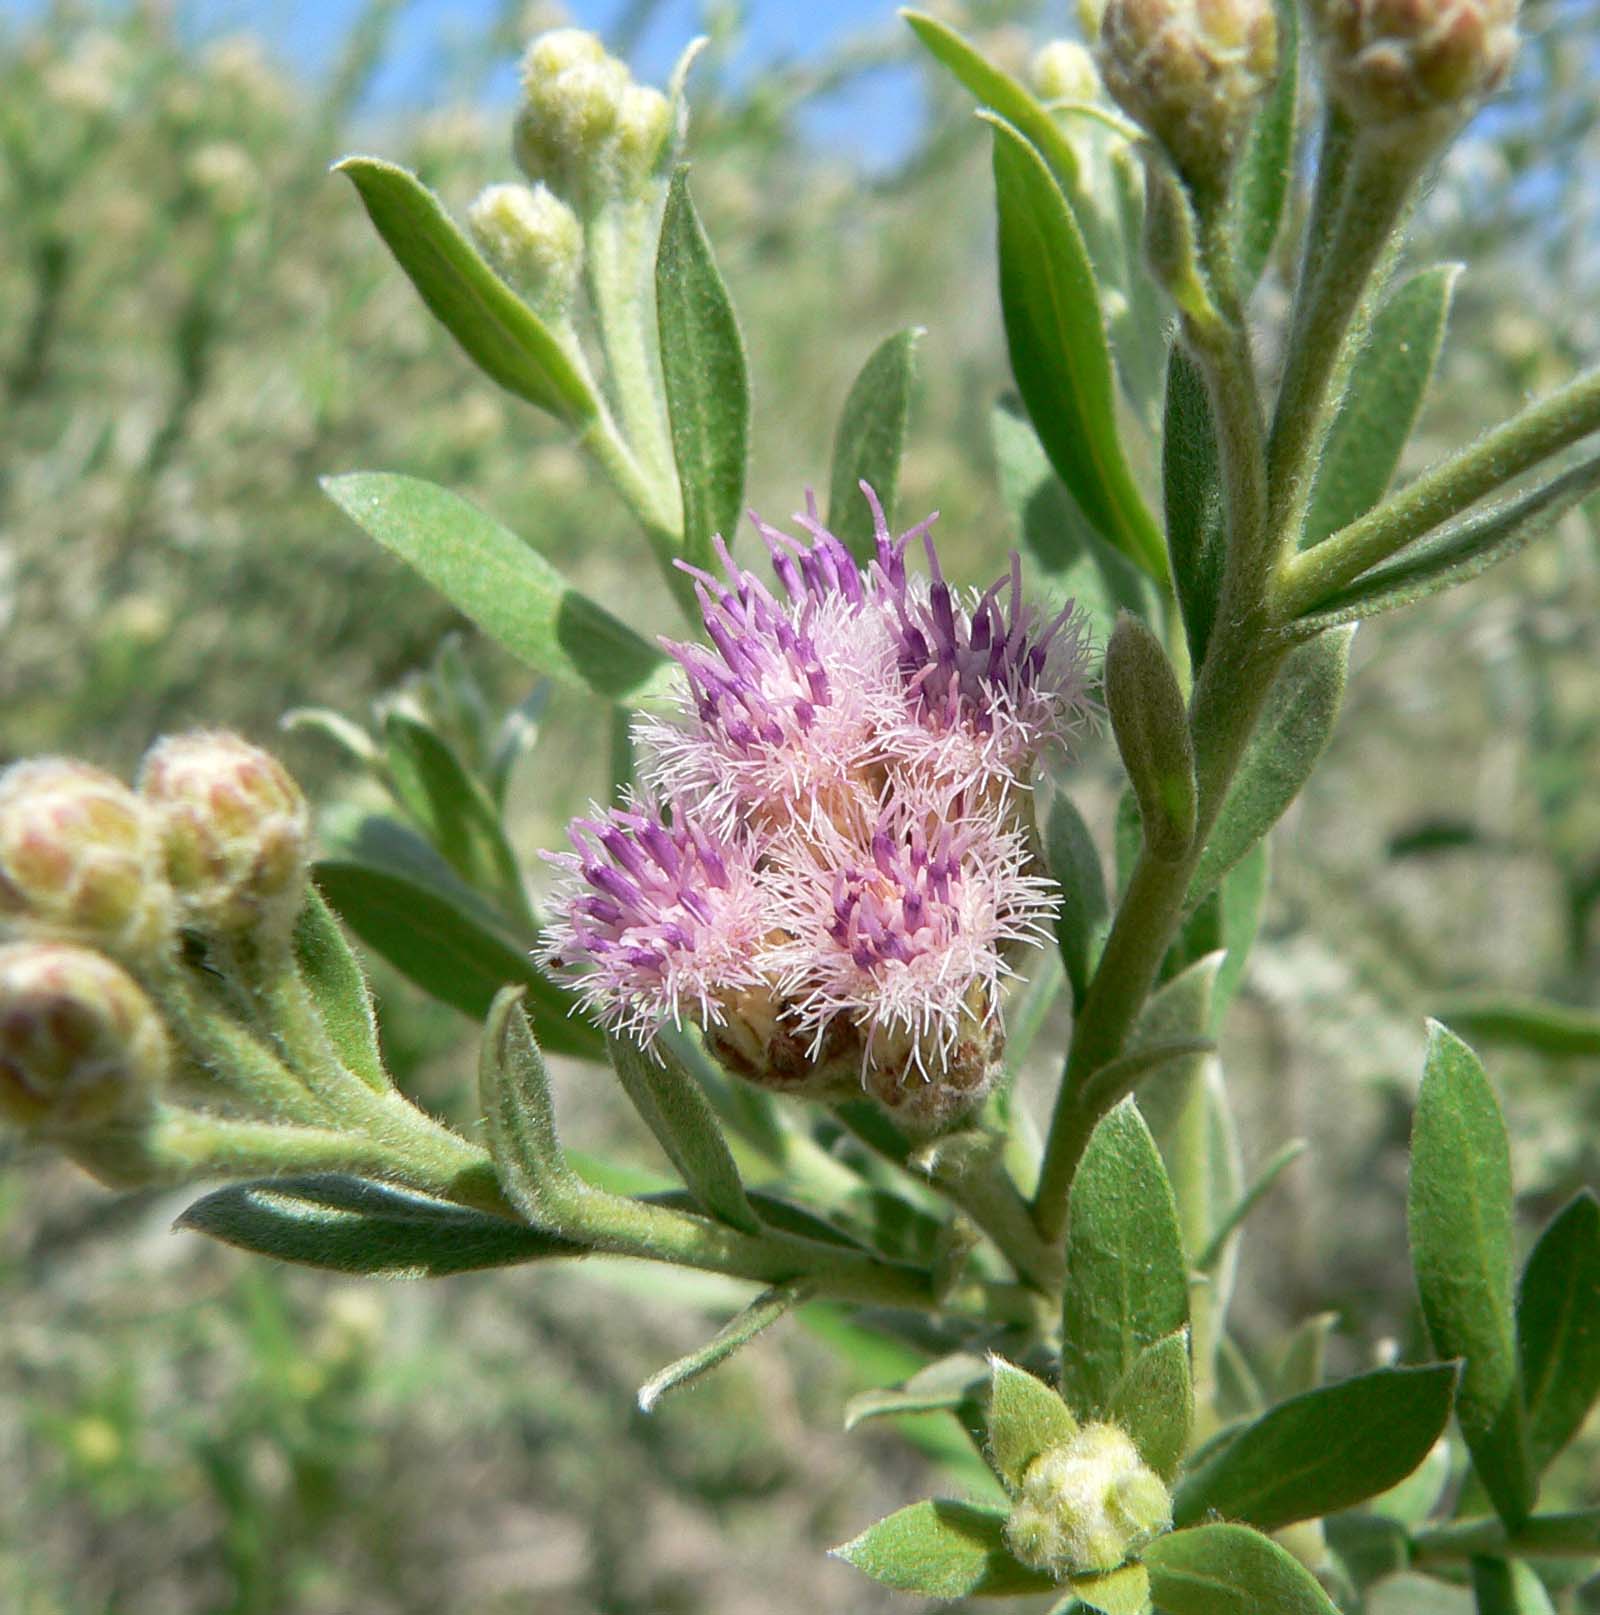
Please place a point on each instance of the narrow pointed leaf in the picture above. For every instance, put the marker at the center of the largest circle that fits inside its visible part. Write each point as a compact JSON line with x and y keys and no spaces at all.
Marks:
{"x":495,"y":328}
{"x":1558,"y":1327}
{"x":1230,"y":1570}
{"x":1387,"y":385}
{"x":679,"y":1114}
{"x":1284,"y":1157}
{"x":1293,"y":731}
{"x":1262,"y":181}
{"x":949,"y":1383}
{"x":519,"y":1116}
{"x":740,"y":1330}
{"x":1026,"y":1418}
{"x":705,"y":374}
{"x":870,"y":440}
{"x":489,"y":575}
{"x":1154,"y":1403}
{"x":1508,"y":1587}
{"x":1150,"y":721}
{"x":943,"y":1550}
{"x":1461,"y":1223}
{"x":1241,"y":895}
{"x":348,"y":1225}
{"x":338,"y":989}
{"x":1303,"y":1364}
{"x":1073,"y":860}
{"x":1127,"y":1282}
{"x":1056,"y":333}
{"x":1192,"y":495}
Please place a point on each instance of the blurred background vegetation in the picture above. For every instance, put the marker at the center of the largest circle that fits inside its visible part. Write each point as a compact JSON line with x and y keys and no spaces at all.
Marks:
{"x":196,"y":323}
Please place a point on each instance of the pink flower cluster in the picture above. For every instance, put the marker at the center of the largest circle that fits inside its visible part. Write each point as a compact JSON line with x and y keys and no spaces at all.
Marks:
{"x":831,"y":861}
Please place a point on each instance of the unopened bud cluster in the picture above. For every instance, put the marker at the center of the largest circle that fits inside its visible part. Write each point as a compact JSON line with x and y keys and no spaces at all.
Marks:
{"x":1087,"y":1506}
{"x":1191,"y":72}
{"x":1405,"y":64}
{"x":533,"y":239}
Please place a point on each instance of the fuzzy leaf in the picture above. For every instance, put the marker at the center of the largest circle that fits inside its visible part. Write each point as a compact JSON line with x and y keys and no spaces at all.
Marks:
{"x":1294,"y":728}
{"x":1056,"y":333}
{"x":348,"y":1225}
{"x":1127,"y":1282}
{"x":488,"y":574}
{"x":338,"y":988}
{"x":1026,"y":1418}
{"x":1230,"y":1570}
{"x":1118,"y":1592}
{"x":679,"y":1114}
{"x":1558,"y":1327}
{"x":739,"y":1331}
{"x":495,"y":328}
{"x":705,"y":375}
{"x":1075,"y":863}
{"x":519,"y":1115}
{"x":870,"y":440}
{"x":1508,"y":1587}
{"x":1461,"y":1223}
{"x":1261,"y":182}
{"x":1387,"y":385}
{"x":1323,"y":1451}
{"x":944,"y":1550}
{"x":1241,"y":896}
{"x":1192,"y":495}
{"x":1154,"y":1403}
{"x":946,"y":1384}
{"x":1150,"y":721}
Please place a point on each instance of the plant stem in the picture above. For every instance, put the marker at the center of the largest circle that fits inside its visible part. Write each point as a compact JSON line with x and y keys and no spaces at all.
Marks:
{"x":1553,"y":1536}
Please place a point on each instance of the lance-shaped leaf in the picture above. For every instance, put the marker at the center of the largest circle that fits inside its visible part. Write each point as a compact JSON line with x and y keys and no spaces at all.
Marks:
{"x":450,"y":952}
{"x":1154,"y":1403}
{"x":676,"y":1110}
{"x":1525,"y":1023}
{"x":1558,"y":1327}
{"x":949,"y":1383}
{"x":496,"y":329}
{"x":1234,"y":1218}
{"x":1026,"y":1418}
{"x":1230,"y":1570}
{"x":1261,"y":181}
{"x":1150,"y":720}
{"x":1056,"y":334}
{"x":1070,"y":851}
{"x":870,"y":440}
{"x":1456,"y":554}
{"x":1192,"y":497}
{"x":706,"y":376}
{"x":1127,"y":1282}
{"x":348,"y":1225}
{"x":1508,"y":1587}
{"x":1323,"y":1451}
{"x":1293,"y":730}
{"x":1461,"y":1222}
{"x":339,"y":991}
{"x":489,"y":575}
{"x":739,"y":1331}
{"x":1380,"y":406}
{"x":943,"y":1550}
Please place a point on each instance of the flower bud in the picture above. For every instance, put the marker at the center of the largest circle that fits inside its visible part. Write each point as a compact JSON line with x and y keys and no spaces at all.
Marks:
{"x":1403,"y":62}
{"x":1191,"y":72}
{"x":533,"y":238}
{"x":1064,"y":71}
{"x":1088,"y":1505}
{"x":79,"y":855}
{"x":81,"y":1046}
{"x":234,"y":829}
{"x":644,"y":123}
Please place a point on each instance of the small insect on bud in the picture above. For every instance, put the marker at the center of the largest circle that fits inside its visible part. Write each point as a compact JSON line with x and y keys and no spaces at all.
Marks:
{"x":81,"y":1046}
{"x":234,"y":829}
{"x":1087,"y":1506}
{"x":1064,"y":71}
{"x":533,"y":238}
{"x":79,"y":855}
{"x":1402,"y":64}
{"x":1191,"y":72}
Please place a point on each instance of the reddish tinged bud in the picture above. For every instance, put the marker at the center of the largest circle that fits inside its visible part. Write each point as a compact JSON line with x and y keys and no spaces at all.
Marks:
{"x":234,"y":828}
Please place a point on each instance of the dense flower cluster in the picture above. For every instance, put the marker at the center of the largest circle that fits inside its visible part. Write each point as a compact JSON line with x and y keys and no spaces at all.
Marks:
{"x":831,"y":860}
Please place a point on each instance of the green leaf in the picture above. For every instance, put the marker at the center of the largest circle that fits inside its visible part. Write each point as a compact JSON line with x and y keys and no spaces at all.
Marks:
{"x":1234,"y":1219}
{"x":1026,"y":1418}
{"x":1461,"y":1224}
{"x":1150,"y":720}
{"x":1558,"y":1327}
{"x":949,"y":1383}
{"x":739,"y":1331}
{"x":488,"y":574}
{"x":1324,"y":1450}
{"x":1410,"y":1594}
{"x":1075,"y":864}
{"x":1127,"y":1282}
{"x":679,"y":1114}
{"x":870,"y":440}
{"x":1192,"y":496}
{"x":1118,"y":1592}
{"x":1525,"y":1023}
{"x":495,"y":328}
{"x":339,"y":991}
{"x":944,"y":1550}
{"x":1295,"y":726}
{"x":1368,"y":1547}
{"x":1242,"y":893}
{"x":1302,"y":1364}
{"x":705,"y":374}
{"x":449,"y":952}
{"x":348,"y":1225}
{"x":1261,"y":180}
{"x":1230,"y":1570}
{"x":1056,"y":333}
{"x":1072,"y":558}
{"x":1381,"y":403}
{"x":1508,"y":1587}
{"x":1455,"y":554}
{"x":1154,"y":1403}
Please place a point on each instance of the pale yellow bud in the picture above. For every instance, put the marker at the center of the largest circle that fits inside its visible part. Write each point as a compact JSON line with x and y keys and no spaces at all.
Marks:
{"x":1064,"y":70}
{"x":533,"y":238}
{"x":644,"y":123}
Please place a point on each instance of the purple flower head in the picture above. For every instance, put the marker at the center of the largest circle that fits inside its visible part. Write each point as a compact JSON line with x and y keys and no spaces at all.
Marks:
{"x":667,"y":917}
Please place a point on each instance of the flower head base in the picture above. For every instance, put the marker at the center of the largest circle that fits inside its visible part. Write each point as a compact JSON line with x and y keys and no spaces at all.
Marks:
{"x":846,"y":867}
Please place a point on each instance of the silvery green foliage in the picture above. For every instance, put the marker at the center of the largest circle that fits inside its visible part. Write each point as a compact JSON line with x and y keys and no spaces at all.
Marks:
{"x":844,"y":821}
